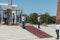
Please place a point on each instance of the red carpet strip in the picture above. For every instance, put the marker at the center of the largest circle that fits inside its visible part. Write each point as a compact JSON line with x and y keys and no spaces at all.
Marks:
{"x":38,"y":33}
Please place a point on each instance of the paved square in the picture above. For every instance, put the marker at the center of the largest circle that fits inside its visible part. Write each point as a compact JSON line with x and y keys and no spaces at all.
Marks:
{"x":17,"y":33}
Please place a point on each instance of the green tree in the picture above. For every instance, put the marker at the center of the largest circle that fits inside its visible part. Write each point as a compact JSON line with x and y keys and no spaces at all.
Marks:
{"x":52,"y":19}
{"x":33,"y":18}
{"x":46,"y":18}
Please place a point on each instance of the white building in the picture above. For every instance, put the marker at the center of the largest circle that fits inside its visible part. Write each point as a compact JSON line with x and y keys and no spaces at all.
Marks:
{"x":9,"y":9}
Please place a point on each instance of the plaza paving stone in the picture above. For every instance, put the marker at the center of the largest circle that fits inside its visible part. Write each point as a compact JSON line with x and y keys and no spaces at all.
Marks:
{"x":18,"y":33}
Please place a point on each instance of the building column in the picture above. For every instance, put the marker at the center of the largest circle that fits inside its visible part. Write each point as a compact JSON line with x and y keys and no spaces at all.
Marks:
{"x":16,"y":16}
{"x":19,"y":16}
{"x":20,"y":12}
{"x":58,"y":12}
{"x":1,"y":17}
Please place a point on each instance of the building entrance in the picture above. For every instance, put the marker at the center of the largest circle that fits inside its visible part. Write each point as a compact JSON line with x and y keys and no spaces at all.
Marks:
{"x":10,"y":16}
{"x":7,"y":16}
{"x":12,"y":12}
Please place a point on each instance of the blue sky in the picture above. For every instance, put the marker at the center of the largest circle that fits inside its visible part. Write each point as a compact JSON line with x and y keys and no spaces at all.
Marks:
{"x":38,"y":6}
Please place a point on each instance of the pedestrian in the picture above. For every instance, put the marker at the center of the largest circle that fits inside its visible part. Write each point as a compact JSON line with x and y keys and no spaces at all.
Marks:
{"x":57,"y":30}
{"x":23,"y":21}
{"x":38,"y":22}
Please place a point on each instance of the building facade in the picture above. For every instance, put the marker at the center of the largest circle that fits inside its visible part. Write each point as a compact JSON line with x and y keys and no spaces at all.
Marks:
{"x":5,"y":8}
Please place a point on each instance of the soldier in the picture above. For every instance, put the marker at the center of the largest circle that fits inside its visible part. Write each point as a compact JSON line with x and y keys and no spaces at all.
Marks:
{"x":38,"y":21}
{"x":23,"y":21}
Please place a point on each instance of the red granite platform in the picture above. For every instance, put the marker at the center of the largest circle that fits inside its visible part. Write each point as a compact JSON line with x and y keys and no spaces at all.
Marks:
{"x":58,"y":12}
{"x":38,"y":33}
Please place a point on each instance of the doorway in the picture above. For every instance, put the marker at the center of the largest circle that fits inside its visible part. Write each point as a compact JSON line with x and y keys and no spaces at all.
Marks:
{"x":7,"y":16}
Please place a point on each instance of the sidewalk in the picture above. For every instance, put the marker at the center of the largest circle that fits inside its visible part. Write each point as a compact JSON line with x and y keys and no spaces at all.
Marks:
{"x":17,"y":33}
{"x":50,"y":30}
